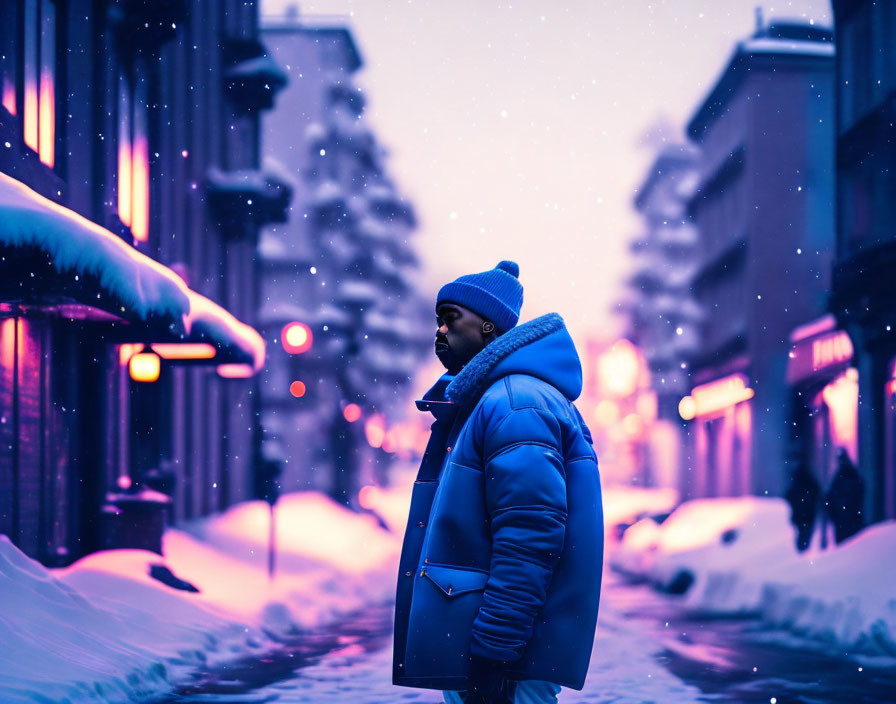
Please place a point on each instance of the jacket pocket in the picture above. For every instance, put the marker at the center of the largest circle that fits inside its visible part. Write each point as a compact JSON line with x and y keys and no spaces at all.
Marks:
{"x":454,"y":581}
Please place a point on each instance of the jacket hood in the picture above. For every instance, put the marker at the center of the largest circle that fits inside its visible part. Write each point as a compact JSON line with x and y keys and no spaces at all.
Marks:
{"x":541,"y":347}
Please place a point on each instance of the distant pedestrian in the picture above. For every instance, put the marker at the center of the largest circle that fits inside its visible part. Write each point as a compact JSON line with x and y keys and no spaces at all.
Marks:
{"x":845,"y":499}
{"x":500,"y":570}
{"x":802,"y":495}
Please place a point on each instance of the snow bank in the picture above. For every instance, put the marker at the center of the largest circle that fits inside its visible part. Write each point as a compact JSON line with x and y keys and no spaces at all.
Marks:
{"x":104,"y":630}
{"x":626,"y":504}
{"x":737,"y":556}
{"x":128,"y":641}
{"x":843,"y":596}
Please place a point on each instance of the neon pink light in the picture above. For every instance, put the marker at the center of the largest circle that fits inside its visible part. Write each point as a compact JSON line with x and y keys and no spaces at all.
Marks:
{"x":842,"y":398}
{"x":7,"y":342}
{"x":297,"y":389}
{"x":235,"y":371}
{"x":124,"y":183}
{"x":30,"y":116}
{"x":140,"y":199}
{"x":831,"y":349}
{"x":184,"y":350}
{"x":816,"y":327}
{"x":47,"y":151}
{"x":9,"y":95}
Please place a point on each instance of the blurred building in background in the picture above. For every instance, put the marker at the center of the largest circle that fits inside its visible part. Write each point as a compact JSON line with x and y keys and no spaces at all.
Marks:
{"x":621,"y":409}
{"x":131,"y":201}
{"x":763,"y":211}
{"x":863,"y":299}
{"x":662,"y":316}
{"x":337,"y":277}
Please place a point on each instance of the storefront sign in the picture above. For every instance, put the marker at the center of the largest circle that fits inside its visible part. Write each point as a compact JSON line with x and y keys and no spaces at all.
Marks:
{"x":823,"y":353}
{"x":715,"y":396}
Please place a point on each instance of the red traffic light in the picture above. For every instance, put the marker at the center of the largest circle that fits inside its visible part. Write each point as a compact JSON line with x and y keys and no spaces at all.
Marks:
{"x":352,"y":412}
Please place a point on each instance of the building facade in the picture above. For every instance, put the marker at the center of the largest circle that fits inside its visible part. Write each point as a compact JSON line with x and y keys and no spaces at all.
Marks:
{"x":862,"y":299}
{"x":340,"y":270}
{"x":663,"y":316}
{"x":763,"y":211}
{"x":129,"y":286}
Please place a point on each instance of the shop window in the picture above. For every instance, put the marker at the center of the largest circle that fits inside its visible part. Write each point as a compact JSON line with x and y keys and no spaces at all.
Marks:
{"x":39,"y":79}
{"x":133,"y":154}
{"x":841,"y":397}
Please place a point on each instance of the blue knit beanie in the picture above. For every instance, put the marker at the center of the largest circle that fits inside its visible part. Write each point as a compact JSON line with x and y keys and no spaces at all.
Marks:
{"x":496,"y":294}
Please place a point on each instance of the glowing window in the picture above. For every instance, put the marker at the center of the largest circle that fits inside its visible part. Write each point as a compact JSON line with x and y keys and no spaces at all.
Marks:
{"x":8,"y":24}
{"x":133,"y":155}
{"x":39,"y":109}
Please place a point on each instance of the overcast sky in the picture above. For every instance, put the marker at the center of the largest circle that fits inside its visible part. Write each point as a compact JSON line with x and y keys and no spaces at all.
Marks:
{"x":517,"y":128}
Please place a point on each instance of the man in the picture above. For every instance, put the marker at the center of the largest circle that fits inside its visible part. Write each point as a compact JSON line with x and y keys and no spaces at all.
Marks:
{"x":499,"y":577}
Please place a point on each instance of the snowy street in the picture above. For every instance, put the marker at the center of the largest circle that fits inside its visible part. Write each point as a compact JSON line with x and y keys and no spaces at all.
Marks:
{"x":646,"y":651}
{"x":322,"y":631}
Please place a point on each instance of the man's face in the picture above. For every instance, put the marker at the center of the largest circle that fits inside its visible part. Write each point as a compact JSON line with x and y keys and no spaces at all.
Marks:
{"x":459,"y":336}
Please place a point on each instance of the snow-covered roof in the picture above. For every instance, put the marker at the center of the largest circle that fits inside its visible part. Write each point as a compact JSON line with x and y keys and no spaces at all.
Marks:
{"x":277,"y":312}
{"x":260,"y":68}
{"x":328,"y":191}
{"x":333,"y":316}
{"x":374,"y":230}
{"x":263,"y":183}
{"x":315,"y":132}
{"x":217,"y":325}
{"x":360,"y":293}
{"x":76,"y":247}
{"x":138,"y":287}
{"x":793,"y":44}
{"x":275,"y":170}
{"x":773,"y":45}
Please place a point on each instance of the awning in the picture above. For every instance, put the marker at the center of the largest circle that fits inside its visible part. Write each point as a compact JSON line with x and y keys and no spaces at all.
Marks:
{"x":52,"y":256}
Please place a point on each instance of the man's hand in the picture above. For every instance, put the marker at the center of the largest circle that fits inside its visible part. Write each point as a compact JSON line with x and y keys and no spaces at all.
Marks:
{"x":487,"y":683}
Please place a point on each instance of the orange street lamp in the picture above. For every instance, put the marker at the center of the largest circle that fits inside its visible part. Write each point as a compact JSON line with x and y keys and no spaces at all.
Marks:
{"x":145,"y":367}
{"x":184,"y":350}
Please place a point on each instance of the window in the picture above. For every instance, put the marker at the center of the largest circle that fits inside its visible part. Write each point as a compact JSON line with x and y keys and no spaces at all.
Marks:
{"x":39,"y":68}
{"x":9,"y":46}
{"x":133,"y":154}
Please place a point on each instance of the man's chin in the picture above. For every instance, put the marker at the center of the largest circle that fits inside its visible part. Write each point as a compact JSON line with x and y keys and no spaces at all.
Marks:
{"x":447,"y":360}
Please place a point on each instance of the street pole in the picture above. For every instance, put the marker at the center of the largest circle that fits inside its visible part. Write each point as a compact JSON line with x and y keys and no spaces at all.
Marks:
{"x":272,"y":536}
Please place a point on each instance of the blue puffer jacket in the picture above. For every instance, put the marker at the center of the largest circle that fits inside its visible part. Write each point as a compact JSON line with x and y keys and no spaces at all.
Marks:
{"x":504,"y":545}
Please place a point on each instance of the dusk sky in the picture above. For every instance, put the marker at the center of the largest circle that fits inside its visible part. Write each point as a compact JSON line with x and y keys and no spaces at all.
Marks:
{"x":519,"y":130}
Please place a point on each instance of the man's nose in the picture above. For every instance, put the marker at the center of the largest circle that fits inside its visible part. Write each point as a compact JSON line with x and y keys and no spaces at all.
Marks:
{"x":443,"y":329}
